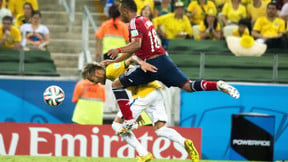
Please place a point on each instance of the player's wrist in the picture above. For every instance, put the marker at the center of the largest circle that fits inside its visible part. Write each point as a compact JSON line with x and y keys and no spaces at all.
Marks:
{"x":119,"y":50}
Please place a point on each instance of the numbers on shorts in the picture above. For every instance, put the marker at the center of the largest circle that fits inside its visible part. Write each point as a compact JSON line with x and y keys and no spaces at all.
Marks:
{"x":155,"y":44}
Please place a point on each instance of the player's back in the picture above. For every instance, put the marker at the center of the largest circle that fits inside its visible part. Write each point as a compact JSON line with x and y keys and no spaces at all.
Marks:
{"x":142,"y":27}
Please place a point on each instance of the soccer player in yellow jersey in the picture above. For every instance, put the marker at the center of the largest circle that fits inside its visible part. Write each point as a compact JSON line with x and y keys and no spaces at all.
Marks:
{"x":147,"y":98}
{"x":270,"y":28}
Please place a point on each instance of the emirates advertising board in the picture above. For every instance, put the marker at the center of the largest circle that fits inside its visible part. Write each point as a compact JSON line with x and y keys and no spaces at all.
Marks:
{"x":87,"y":141}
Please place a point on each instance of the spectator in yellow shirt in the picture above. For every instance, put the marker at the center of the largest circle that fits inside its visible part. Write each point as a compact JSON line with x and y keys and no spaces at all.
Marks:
{"x":26,"y":16}
{"x":270,"y":28}
{"x":232,"y":12}
{"x":16,"y":6}
{"x":197,"y":10}
{"x":173,"y":25}
{"x":10,"y":36}
{"x":147,"y":12}
{"x":142,"y":3}
{"x":210,"y":27}
{"x":242,"y":28}
{"x":256,"y":9}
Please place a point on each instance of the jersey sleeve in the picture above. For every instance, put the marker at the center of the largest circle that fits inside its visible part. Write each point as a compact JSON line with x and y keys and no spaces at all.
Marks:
{"x":17,"y":35}
{"x":202,"y":27}
{"x":135,"y":29}
{"x":114,"y":70}
{"x":100,"y":32}
{"x":77,"y":91}
{"x":257,"y":25}
{"x":282,"y":26}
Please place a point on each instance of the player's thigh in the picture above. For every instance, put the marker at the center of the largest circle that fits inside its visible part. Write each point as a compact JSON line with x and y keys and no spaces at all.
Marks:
{"x":137,"y":106}
{"x":168,"y":73}
{"x":156,"y":110}
{"x":134,"y":77}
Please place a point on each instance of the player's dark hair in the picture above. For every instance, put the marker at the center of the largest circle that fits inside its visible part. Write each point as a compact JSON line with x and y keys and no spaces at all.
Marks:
{"x":272,"y":3}
{"x":9,"y":18}
{"x":36,"y":13}
{"x":89,"y":69}
{"x":114,"y":13}
{"x":129,"y":4}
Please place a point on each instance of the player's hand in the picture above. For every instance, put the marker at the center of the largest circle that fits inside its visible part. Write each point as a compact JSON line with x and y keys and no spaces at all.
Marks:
{"x":147,"y":67}
{"x":106,"y":62}
{"x":112,"y":53}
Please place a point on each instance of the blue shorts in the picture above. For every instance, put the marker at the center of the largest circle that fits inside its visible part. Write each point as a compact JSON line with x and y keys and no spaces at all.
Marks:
{"x":168,"y":73}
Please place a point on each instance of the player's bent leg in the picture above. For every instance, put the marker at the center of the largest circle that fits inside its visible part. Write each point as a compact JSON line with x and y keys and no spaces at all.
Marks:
{"x":203,"y":85}
{"x":122,"y":99}
{"x":163,"y":131}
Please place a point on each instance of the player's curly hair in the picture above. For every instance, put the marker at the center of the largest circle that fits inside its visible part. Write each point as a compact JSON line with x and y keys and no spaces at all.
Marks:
{"x":129,"y":4}
{"x":89,"y":69}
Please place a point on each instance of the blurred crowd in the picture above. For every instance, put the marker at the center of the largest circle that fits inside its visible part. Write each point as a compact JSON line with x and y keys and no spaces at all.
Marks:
{"x":20,"y":25}
{"x":264,"y":20}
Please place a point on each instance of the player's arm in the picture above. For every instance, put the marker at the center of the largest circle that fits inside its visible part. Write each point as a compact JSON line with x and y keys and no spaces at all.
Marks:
{"x":144,"y":65}
{"x":130,"y":48}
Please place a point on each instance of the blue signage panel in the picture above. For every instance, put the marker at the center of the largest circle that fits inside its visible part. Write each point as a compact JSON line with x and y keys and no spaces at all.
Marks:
{"x":212,"y":112}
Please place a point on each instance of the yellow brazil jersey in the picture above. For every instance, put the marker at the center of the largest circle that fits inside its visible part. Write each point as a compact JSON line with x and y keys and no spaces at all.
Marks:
{"x":142,"y":3}
{"x":232,"y":14}
{"x":255,"y":13}
{"x":114,"y":70}
{"x":269,"y":28}
{"x":14,"y":37}
{"x":237,"y":34}
{"x":173,"y":26}
{"x":16,"y":6}
{"x":200,"y":12}
{"x":202,"y":28}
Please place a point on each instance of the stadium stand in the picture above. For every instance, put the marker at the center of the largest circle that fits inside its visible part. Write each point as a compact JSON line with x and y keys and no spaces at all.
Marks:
{"x":65,"y":46}
{"x":220,"y":63}
{"x":35,"y":63}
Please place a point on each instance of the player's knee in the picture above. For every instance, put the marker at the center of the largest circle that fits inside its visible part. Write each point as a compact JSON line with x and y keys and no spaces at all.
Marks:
{"x":117,"y":84}
{"x":187,"y":87}
{"x":116,"y":126}
{"x":158,"y":125}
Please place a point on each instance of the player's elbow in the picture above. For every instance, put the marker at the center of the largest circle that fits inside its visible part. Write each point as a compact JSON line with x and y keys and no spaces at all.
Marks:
{"x":137,"y":45}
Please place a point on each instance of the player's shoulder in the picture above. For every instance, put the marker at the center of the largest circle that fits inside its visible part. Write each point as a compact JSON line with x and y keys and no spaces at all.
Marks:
{"x":139,"y":20}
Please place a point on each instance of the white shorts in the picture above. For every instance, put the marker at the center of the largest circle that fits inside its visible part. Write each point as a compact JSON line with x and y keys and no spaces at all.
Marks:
{"x":152,"y":104}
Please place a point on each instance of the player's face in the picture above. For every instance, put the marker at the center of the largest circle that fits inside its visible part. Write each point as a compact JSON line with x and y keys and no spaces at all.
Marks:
{"x":98,"y":77}
{"x":124,"y":14}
